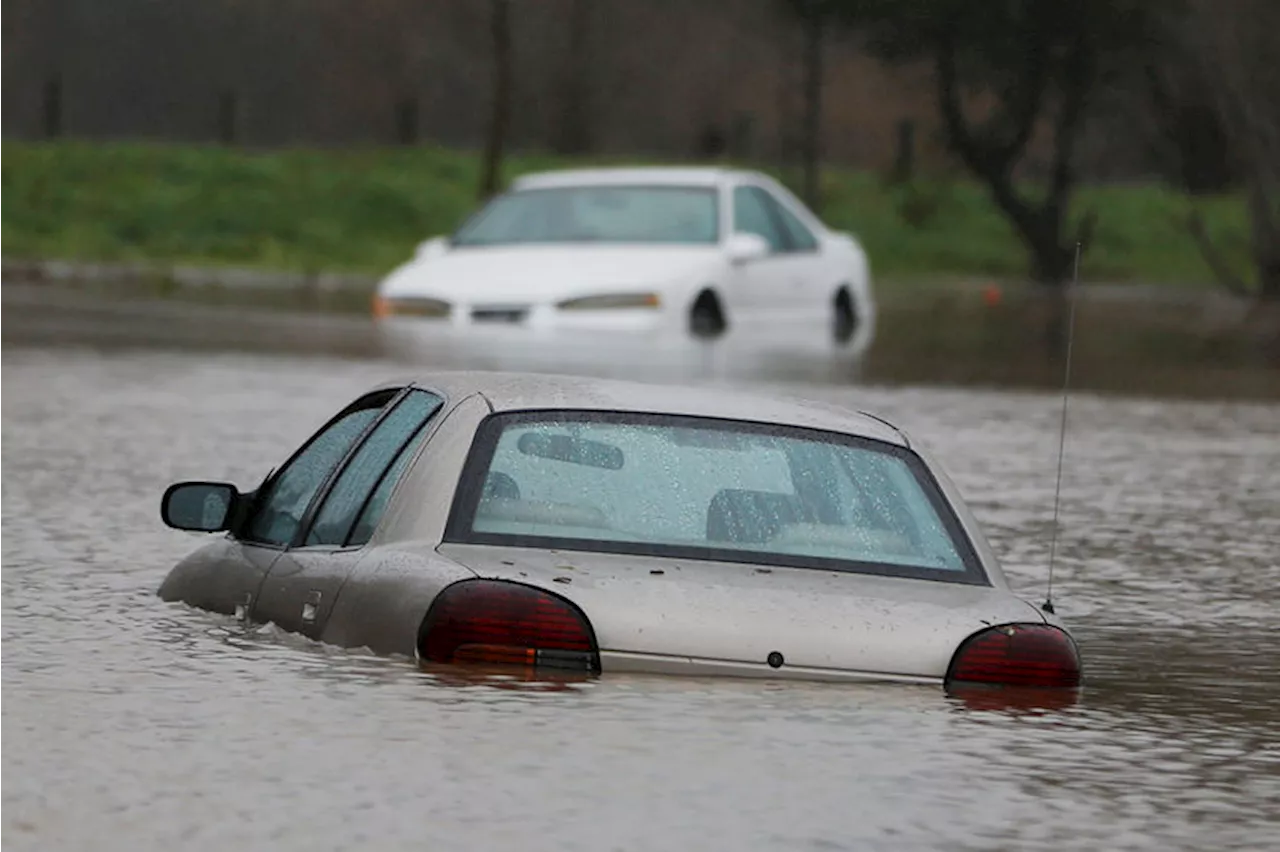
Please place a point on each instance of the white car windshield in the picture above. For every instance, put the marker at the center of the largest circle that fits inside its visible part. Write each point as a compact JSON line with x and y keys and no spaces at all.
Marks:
{"x":711,"y":489}
{"x":596,"y":214}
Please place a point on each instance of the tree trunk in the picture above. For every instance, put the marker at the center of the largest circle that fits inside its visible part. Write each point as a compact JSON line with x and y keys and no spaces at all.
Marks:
{"x":573,"y":135}
{"x":1056,"y":319}
{"x":1050,"y":260}
{"x":1264,"y":221}
{"x":1269,"y":279}
{"x":1235,"y":46}
{"x":500,"y":115}
{"x":53,"y":107}
{"x":812,"y":107}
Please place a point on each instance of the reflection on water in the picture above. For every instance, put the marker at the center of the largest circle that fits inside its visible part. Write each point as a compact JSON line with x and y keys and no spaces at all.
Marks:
{"x":55,"y":317}
{"x":136,"y":724}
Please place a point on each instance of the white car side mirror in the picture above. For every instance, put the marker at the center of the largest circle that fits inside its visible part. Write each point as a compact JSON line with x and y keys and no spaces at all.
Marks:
{"x":433,"y":247}
{"x":744,"y":248}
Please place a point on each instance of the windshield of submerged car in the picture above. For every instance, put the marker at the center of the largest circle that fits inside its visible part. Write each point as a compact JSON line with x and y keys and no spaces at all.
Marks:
{"x":711,"y":489}
{"x":596,"y":214}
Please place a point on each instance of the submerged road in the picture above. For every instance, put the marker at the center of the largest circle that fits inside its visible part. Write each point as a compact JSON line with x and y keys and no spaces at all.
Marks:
{"x":135,"y":724}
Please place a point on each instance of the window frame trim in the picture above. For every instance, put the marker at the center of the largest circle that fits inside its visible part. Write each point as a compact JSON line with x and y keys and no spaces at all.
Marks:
{"x":423,"y":432}
{"x":263,"y":489}
{"x":305,"y":524}
{"x":459,"y":525}
{"x":308,"y":518}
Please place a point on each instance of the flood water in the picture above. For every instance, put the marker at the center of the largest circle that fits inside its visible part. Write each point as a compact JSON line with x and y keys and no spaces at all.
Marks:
{"x":134,"y":724}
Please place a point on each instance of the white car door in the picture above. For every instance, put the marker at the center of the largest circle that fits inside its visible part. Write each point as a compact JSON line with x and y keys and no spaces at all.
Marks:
{"x":780,"y":287}
{"x":808,"y":259}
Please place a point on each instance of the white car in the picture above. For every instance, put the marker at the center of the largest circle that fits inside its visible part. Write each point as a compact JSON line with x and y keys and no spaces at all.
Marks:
{"x":648,"y":249}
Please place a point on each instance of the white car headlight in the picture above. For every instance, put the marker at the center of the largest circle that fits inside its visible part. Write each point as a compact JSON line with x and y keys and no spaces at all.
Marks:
{"x":410,"y":306}
{"x":611,"y":301}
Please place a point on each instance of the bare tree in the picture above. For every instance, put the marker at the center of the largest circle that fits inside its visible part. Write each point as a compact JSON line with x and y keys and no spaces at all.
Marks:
{"x":1184,"y":132}
{"x":1035,"y":65}
{"x":1236,"y":43}
{"x":814,"y":17}
{"x":814,"y":25}
{"x":500,"y":116}
{"x":573,"y":134}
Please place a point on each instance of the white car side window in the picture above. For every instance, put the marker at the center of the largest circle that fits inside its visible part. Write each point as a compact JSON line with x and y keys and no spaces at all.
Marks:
{"x":801,"y":238}
{"x":751,"y":216}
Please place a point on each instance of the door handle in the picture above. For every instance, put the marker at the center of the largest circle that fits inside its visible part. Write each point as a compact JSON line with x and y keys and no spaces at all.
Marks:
{"x":310,"y":607}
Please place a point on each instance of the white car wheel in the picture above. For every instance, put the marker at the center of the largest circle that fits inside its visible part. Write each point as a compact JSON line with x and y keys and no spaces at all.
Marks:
{"x":706,"y":317}
{"x":845,"y":317}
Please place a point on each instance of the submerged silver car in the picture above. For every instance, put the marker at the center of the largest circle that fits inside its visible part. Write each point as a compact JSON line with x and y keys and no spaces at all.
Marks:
{"x":597,"y":526}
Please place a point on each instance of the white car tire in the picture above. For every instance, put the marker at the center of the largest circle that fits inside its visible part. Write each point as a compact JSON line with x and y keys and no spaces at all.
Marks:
{"x":706,"y":316}
{"x":845,"y":319}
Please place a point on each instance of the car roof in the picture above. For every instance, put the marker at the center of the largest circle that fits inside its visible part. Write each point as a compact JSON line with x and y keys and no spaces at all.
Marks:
{"x":642,"y":175}
{"x":509,"y":391}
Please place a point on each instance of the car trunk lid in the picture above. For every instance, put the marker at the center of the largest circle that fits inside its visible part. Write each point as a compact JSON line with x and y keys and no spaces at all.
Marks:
{"x":660,"y":614}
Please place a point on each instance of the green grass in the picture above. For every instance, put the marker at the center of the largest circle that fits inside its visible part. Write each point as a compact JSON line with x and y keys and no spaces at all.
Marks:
{"x":364,"y":210}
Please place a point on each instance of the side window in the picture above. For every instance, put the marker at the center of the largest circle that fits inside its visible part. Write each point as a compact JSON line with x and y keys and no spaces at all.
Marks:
{"x":281,"y":508}
{"x":381,"y":458}
{"x":373,"y":509}
{"x":800,"y":237}
{"x":751,"y":216}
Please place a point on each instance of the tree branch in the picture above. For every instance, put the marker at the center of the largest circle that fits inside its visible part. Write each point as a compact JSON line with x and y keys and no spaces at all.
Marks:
{"x":993,"y":166}
{"x":1084,"y":231}
{"x":1265,"y":238}
{"x":500,"y":108}
{"x":1213,"y":258}
{"x":1022,"y":104}
{"x":1078,"y":80}
{"x":949,"y":102}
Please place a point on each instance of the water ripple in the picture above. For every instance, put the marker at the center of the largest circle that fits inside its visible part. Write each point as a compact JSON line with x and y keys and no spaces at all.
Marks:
{"x":135,"y":723}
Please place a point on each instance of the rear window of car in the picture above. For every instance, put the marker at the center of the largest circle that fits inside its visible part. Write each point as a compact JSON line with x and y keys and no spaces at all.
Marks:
{"x":703,"y":488}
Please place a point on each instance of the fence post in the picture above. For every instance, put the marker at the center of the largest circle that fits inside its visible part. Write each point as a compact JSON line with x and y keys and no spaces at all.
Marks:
{"x":811,"y":151}
{"x":711,"y":143}
{"x":53,"y":106}
{"x":743,"y":133}
{"x":228,"y":117}
{"x":407,"y":121}
{"x":904,"y":158}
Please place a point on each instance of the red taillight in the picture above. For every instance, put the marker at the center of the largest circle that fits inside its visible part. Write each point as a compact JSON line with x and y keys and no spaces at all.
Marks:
{"x":496,"y":622}
{"x":1017,"y":655}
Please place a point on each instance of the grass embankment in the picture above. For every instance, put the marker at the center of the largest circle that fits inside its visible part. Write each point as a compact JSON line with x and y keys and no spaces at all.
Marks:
{"x":364,"y":210}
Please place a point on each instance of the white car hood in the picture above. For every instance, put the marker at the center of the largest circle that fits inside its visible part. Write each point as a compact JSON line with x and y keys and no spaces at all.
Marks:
{"x":538,"y":272}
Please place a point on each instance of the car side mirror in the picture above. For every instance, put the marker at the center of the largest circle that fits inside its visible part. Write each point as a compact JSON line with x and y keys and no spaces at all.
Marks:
{"x":744,"y":248}
{"x":199,"y":506}
{"x":433,"y":247}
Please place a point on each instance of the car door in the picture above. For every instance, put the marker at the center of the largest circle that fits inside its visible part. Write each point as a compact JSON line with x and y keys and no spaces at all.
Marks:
{"x":767,"y":289}
{"x":303,"y":583}
{"x":279,"y":505}
{"x":223,"y":576}
{"x":813,"y":283}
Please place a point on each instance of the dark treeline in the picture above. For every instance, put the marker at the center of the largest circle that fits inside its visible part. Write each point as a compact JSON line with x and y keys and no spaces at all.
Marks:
{"x":670,"y":78}
{"x":1029,"y":98}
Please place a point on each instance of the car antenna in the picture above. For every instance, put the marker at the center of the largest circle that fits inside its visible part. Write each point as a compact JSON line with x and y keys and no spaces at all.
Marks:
{"x":1047,"y":606}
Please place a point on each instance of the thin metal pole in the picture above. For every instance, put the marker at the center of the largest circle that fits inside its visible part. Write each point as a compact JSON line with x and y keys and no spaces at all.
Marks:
{"x":1062,"y":426}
